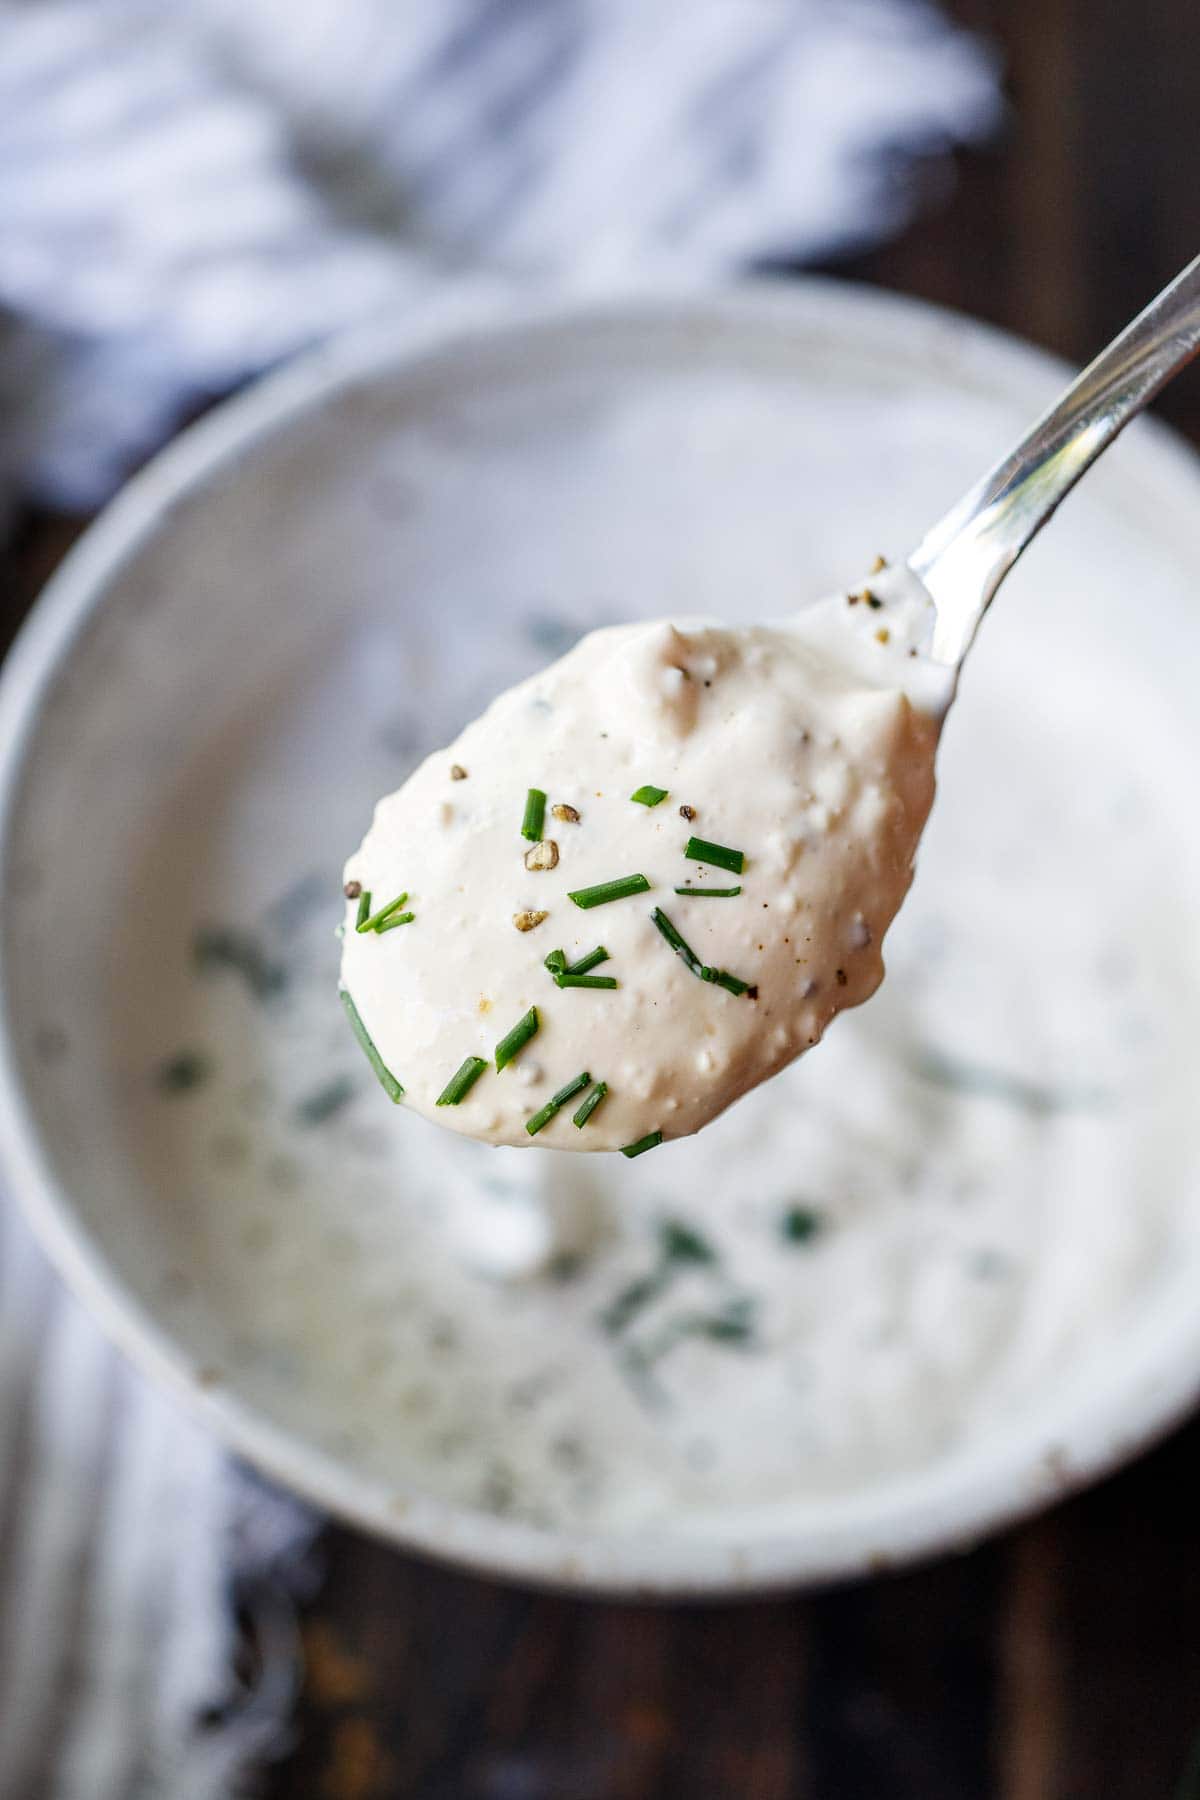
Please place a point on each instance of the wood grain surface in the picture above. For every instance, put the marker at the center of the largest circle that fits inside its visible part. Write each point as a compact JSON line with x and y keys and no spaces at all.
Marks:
{"x":1060,"y":1661}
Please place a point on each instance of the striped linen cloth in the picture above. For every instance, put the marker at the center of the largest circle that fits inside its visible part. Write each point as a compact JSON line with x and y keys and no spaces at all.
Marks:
{"x":191,"y":190}
{"x":159,"y":243}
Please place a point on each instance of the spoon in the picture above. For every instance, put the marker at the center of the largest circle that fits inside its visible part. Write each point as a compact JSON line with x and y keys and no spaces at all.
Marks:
{"x":743,"y":805}
{"x":964,"y":558}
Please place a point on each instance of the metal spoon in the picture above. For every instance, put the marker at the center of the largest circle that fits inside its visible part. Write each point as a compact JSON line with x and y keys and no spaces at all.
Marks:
{"x":967,"y":554}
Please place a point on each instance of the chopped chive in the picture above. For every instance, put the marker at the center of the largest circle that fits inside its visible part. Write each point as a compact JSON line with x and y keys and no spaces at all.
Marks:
{"x":704,"y":971}
{"x":461,"y":1082}
{"x":571,"y":980}
{"x":799,"y":1225}
{"x":720,"y":855}
{"x":535,"y":815}
{"x":364,"y":909}
{"x":517,"y":1038}
{"x":559,"y":967}
{"x":651,"y":1140}
{"x":605,"y":891}
{"x":373,"y":920}
{"x":592,"y":960}
{"x":590,"y":1104}
{"x":188,"y":1069}
{"x":641,"y":1292}
{"x":733,"y":1324}
{"x":326,"y":1102}
{"x":648,"y":796}
{"x":679,"y":944}
{"x":682,"y":1243}
{"x":242,"y":952}
{"x":710,"y":893}
{"x":386,"y":1079}
{"x":573,"y":1087}
{"x":391,"y":924}
{"x":731,"y":983}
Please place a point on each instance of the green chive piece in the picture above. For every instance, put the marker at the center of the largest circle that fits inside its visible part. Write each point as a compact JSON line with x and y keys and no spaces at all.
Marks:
{"x":571,"y":980}
{"x":391,"y":924}
{"x":682,"y":1243}
{"x":386,"y":1079}
{"x":731,"y":983}
{"x":374,"y":920}
{"x":650,"y":1142}
{"x":590,"y":1104}
{"x":648,"y":796}
{"x":535,"y":815}
{"x":326,"y":1102}
{"x":517,"y":1038}
{"x":704,"y":971}
{"x":592,"y":960}
{"x":710,"y":893}
{"x":461,"y":1082}
{"x":534,"y":1125}
{"x":188,"y":1069}
{"x":610,"y":890}
{"x":720,"y":855}
{"x":679,"y":944}
{"x":364,"y":909}
{"x":560,"y":968}
{"x":799,"y":1225}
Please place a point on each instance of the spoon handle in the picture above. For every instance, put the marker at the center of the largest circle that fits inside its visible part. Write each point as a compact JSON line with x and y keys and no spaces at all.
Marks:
{"x":967,"y":554}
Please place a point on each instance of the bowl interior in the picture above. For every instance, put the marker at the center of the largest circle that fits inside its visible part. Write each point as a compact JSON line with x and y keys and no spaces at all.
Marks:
{"x":312,"y":592}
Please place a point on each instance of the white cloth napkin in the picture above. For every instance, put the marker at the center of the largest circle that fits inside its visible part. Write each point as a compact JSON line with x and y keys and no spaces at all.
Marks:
{"x":192,"y":189}
{"x":189,"y":191}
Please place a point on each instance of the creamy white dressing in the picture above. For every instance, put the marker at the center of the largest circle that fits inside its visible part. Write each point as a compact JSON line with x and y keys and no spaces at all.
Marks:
{"x":449,"y":1321}
{"x":965,"y":1149}
{"x":999,"y":1152}
{"x":806,"y":747}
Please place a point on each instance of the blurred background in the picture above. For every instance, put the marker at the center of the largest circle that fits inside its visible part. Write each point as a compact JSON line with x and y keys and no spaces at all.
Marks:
{"x":192,"y":191}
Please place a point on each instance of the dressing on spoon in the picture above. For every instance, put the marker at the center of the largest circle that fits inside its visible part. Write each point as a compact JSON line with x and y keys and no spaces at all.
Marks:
{"x":728,"y":829}
{"x":648,"y":877}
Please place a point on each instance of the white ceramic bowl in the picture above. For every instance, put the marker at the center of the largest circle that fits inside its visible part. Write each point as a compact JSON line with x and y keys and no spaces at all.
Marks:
{"x":232,"y":663}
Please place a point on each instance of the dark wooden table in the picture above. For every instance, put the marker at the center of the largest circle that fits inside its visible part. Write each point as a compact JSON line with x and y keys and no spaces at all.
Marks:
{"x":1060,"y":1661}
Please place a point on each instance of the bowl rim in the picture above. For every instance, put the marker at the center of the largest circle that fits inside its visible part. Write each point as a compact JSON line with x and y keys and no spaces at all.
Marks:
{"x":997,"y":1490}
